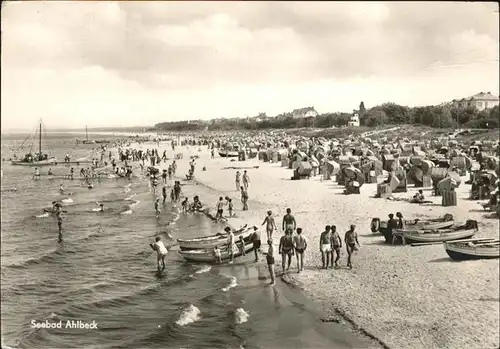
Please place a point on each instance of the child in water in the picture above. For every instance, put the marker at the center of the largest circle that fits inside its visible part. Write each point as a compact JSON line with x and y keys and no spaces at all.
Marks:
{"x":217,"y":255}
{"x":242,"y":246}
{"x":184,"y":204}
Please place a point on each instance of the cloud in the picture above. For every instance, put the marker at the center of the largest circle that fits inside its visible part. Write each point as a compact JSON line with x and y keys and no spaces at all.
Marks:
{"x":125,"y":58}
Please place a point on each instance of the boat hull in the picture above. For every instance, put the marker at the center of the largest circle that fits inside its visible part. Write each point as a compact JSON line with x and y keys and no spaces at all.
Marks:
{"x":206,"y":255}
{"x":209,"y":242}
{"x":49,"y":162}
{"x":461,"y":252}
{"x":228,"y":154}
{"x":421,"y":225}
{"x":438,"y":236}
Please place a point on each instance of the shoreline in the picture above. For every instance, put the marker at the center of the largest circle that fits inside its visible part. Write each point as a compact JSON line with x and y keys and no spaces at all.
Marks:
{"x":397,"y":294}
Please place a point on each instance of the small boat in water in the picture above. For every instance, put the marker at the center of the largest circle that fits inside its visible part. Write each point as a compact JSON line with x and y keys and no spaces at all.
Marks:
{"x":472,"y":250}
{"x":207,"y":255}
{"x":464,"y":231}
{"x":209,"y":242}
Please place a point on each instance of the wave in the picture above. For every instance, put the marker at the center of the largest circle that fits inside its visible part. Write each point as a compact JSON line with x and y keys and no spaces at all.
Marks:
{"x":241,"y":316}
{"x":189,"y":315}
{"x":203,"y":269}
{"x":67,"y":200}
{"x":135,"y":203}
{"x":48,"y":257}
{"x":232,"y":284}
{"x":127,"y":190}
{"x":126,"y":212}
{"x":43,"y":215}
{"x":130,"y":197}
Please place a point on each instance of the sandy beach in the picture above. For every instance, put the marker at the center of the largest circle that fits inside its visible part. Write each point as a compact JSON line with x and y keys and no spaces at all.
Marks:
{"x":403,"y":296}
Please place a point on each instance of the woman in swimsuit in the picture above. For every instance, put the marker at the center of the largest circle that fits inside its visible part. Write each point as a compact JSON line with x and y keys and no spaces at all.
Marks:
{"x":270,"y":224}
{"x":286,"y":249}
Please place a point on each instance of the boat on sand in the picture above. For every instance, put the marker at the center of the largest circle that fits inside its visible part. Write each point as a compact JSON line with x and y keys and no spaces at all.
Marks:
{"x":472,"y":250}
{"x":463,"y":231}
{"x":207,"y":256}
{"x":209,"y":242}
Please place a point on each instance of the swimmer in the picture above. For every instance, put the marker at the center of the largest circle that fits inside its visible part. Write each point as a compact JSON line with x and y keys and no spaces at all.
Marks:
{"x":161,"y":253}
{"x":61,"y":189}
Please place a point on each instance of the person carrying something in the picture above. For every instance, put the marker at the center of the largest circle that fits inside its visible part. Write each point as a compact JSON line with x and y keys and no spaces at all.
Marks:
{"x":161,"y":252}
{"x":286,"y":249}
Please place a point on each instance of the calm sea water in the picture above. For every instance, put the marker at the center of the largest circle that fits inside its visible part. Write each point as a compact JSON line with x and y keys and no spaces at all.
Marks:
{"x":104,"y":271}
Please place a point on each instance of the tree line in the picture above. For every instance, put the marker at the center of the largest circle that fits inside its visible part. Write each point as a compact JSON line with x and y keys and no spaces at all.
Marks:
{"x":443,"y":116}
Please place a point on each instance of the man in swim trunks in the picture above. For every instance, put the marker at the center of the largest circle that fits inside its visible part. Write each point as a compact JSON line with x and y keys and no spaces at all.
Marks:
{"x":161,"y":252}
{"x":289,"y":221}
{"x":220,"y":209}
{"x":300,"y":244}
{"x":270,"y":262}
{"x":244,"y":198}
{"x":325,"y":246}
{"x":256,"y":242}
{"x":286,"y":249}
{"x":246,"y":180}
{"x":351,"y":239}
{"x":336,"y":243}
{"x":270,"y":224}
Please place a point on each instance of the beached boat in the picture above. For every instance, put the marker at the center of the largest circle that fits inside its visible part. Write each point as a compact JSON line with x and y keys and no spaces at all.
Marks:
{"x":207,"y":256}
{"x":429,"y":224}
{"x":464,"y":231}
{"x":38,"y":159}
{"x":471,"y":250}
{"x":209,"y":242}
{"x":229,"y":151}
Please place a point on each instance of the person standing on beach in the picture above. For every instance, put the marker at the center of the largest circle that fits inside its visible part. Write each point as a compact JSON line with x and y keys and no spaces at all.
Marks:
{"x":325,"y":246}
{"x":336,"y":243}
{"x":231,"y":245}
{"x":244,"y":198}
{"x":392,"y":224}
{"x":270,"y":224}
{"x":300,"y":244}
{"x":256,"y":242}
{"x":230,"y":207}
{"x":238,"y":184}
{"x":220,"y":209}
{"x":286,"y":249}
{"x":270,"y":262}
{"x":164,"y":176}
{"x":289,"y":221}
{"x":161,"y":253}
{"x":246,"y":179}
{"x":351,"y":239}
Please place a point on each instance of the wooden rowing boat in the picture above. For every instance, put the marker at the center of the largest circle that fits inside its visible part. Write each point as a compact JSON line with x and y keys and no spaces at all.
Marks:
{"x":209,"y":242}
{"x":207,"y":255}
{"x":464,"y":231}
{"x":472,"y":250}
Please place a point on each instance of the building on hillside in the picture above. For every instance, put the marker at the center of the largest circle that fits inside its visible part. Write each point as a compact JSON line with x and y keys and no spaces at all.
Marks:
{"x":304,"y":113}
{"x":481,"y":101}
{"x":354,"y":120}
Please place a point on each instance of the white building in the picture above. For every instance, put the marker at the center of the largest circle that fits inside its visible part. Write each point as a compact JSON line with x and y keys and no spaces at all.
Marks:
{"x":354,"y":120}
{"x":304,"y":113}
{"x":481,"y":101}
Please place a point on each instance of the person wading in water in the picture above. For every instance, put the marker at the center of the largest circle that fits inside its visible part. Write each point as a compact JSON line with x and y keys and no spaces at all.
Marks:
{"x":286,"y":249}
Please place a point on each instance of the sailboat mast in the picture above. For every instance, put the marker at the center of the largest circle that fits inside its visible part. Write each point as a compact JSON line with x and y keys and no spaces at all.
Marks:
{"x":40,"y":142}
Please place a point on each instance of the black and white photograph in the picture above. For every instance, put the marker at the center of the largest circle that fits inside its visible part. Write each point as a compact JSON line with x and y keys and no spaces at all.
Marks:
{"x":250,"y":175}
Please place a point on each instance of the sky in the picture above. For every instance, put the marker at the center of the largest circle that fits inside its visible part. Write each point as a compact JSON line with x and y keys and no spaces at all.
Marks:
{"x":106,"y":64}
